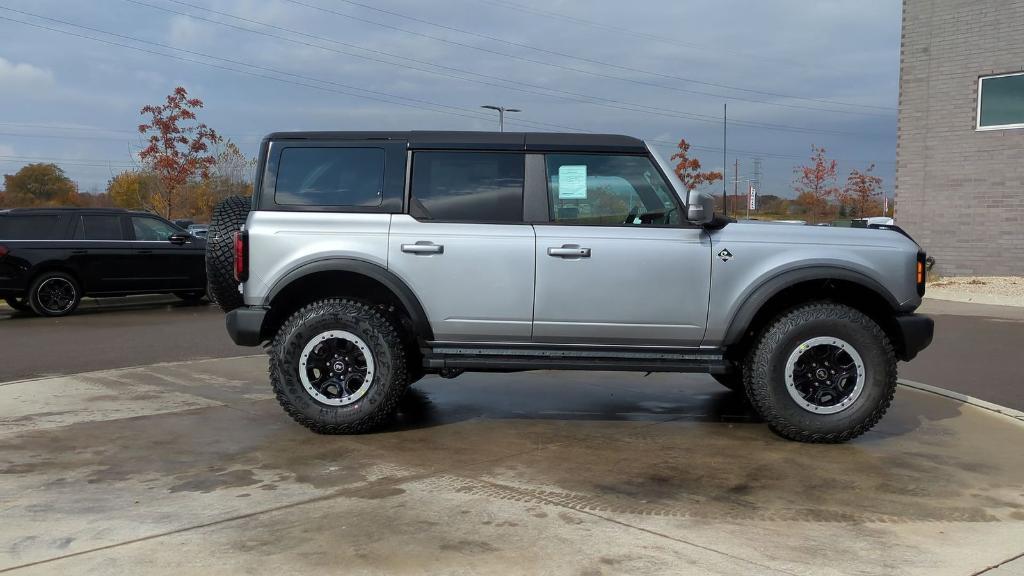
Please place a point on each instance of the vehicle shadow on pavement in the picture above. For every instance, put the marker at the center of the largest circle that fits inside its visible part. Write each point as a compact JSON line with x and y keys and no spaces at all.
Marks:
{"x":435,"y":401}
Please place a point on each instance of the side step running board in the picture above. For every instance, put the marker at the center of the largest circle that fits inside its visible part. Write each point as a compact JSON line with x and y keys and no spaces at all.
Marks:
{"x":439,"y":356}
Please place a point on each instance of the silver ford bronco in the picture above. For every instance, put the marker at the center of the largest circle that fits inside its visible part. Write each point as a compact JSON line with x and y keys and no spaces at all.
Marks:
{"x":365,"y":260}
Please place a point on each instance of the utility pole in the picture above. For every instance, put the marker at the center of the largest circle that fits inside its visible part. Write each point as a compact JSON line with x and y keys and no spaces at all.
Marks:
{"x":755,"y":183}
{"x":725,"y":156}
{"x":736,"y":178}
{"x":501,"y":114}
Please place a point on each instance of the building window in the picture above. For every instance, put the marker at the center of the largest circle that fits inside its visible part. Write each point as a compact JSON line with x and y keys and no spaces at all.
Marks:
{"x":1001,"y":101}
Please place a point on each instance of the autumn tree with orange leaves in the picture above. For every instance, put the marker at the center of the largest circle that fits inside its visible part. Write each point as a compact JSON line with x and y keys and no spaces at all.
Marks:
{"x":178,"y":147}
{"x":862,"y":190}
{"x":815,"y":184}
{"x":688,"y":169}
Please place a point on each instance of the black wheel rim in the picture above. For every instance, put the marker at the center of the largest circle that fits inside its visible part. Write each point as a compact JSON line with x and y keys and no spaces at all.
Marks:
{"x":56,"y":295}
{"x":336,"y":368}
{"x":825,"y":375}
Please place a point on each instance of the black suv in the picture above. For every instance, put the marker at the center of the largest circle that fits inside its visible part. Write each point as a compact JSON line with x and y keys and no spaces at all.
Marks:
{"x":51,"y":257}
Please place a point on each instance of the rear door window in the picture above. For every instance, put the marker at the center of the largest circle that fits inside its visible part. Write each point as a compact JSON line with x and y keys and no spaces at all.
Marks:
{"x":324,"y":176}
{"x":99,"y":227}
{"x":31,"y":227}
{"x":467,"y":186}
{"x":152,"y":230}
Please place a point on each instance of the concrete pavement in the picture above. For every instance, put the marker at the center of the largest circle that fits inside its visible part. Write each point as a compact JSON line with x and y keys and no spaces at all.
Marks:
{"x":192,"y":467}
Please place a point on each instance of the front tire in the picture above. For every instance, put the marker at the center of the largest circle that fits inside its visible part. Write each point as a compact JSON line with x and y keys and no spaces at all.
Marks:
{"x":338,"y":367}
{"x":54,"y":294}
{"x":823,"y":372}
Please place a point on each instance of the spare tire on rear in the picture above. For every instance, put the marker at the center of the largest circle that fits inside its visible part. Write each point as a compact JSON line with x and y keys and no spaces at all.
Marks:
{"x":228,"y":218}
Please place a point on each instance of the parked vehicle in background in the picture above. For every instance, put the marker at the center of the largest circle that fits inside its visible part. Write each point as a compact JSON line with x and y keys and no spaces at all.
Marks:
{"x":370,"y":259}
{"x":198,"y":230}
{"x":51,"y":257}
{"x":872,"y":221}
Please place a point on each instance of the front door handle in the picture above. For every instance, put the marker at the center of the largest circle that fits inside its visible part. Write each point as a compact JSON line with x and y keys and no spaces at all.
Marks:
{"x":145,"y":252}
{"x":569,"y":251}
{"x":423,"y":247}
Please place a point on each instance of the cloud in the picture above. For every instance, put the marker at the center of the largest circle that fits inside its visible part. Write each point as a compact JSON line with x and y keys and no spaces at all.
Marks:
{"x":23,"y":77}
{"x":188,"y":33}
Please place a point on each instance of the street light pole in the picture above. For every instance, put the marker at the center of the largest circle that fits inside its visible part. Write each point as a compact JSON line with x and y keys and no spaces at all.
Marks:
{"x":501,"y":114}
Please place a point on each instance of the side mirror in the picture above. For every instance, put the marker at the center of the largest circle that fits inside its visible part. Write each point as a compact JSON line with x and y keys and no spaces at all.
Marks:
{"x":178,"y":238}
{"x":700,"y":208}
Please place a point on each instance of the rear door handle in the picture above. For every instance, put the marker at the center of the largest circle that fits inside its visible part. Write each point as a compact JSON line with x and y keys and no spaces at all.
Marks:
{"x":145,"y":252}
{"x":79,"y":251}
{"x":569,"y":251}
{"x":423,"y":247}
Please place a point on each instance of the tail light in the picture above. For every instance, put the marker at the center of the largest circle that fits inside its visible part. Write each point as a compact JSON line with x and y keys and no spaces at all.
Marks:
{"x":3,"y":251}
{"x":241,"y":255}
{"x":922,"y":272}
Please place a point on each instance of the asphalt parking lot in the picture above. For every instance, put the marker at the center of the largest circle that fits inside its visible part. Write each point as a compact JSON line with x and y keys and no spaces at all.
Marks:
{"x":190,"y":465}
{"x":972,"y":352}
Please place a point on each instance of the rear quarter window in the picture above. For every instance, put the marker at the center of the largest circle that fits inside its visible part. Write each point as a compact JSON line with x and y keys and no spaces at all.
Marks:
{"x":324,"y":176}
{"x":31,"y":227}
{"x":99,"y":227}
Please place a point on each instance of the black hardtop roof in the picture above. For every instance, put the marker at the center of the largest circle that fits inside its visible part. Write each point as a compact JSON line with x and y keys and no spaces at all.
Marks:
{"x":62,"y":209}
{"x":455,"y":140}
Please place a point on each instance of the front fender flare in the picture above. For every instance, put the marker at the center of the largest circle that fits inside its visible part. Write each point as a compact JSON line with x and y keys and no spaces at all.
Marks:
{"x":768,"y":289}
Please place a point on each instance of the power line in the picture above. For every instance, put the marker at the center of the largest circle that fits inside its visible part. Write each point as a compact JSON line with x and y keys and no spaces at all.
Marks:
{"x":447,"y":109}
{"x":180,"y":58}
{"x":575,"y":96}
{"x":599,"y":62}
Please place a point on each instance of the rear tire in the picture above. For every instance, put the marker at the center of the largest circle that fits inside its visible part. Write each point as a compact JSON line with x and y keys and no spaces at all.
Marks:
{"x":54,"y":294}
{"x":19,"y":304}
{"x":338,"y":367}
{"x":228,"y":218}
{"x":823,"y":372}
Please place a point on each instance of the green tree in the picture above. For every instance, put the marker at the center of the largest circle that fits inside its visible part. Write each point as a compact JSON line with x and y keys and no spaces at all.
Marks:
{"x":37,"y":184}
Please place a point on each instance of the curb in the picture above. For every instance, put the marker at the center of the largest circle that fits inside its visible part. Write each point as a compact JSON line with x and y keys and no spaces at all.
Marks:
{"x":1015,"y":414}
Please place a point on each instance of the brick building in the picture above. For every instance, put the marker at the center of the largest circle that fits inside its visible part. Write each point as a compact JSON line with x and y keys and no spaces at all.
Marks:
{"x":960,"y":148}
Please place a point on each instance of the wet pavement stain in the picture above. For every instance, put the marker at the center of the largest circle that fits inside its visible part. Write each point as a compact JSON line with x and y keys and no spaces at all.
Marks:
{"x":205,"y":482}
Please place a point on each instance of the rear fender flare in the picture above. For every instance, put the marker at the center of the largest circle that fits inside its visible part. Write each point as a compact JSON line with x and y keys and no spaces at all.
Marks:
{"x":373,"y":271}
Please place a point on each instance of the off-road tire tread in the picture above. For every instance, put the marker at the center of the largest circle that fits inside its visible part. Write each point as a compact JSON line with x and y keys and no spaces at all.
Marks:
{"x":228,"y":218}
{"x":377,"y":321}
{"x":756,"y":372}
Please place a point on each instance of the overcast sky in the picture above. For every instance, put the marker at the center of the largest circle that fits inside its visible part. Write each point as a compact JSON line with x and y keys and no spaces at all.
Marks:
{"x":794,"y":73}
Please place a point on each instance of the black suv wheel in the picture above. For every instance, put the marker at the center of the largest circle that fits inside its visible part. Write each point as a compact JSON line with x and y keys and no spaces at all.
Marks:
{"x":338,"y":367}
{"x":823,"y":372}
{"x":54,"y":294}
